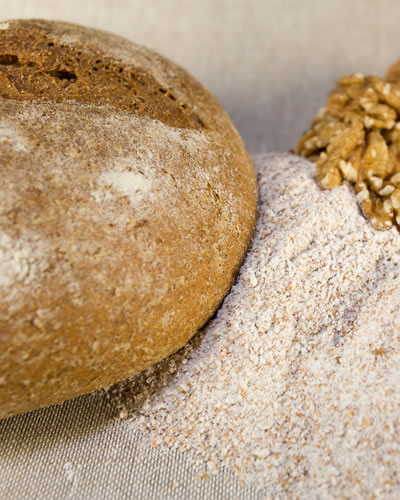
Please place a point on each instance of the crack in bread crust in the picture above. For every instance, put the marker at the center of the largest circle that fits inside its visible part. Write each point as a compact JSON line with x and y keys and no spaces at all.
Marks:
{"x":36,"y":65}
{"x":122,"y":228}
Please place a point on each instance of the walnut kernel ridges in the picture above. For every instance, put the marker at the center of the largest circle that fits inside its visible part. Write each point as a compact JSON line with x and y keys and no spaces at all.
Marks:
{"x":356,"y":138}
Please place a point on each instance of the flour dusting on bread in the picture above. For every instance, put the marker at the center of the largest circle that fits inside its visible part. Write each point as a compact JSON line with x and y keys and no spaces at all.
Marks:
{"x":21,"y":260}
{"x":9,"y":135}
{"x":119,"y":161}
{"x":134,"y":185}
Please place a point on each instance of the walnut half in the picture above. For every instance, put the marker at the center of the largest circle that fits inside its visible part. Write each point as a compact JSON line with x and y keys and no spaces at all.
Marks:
{"x":356,"y":138}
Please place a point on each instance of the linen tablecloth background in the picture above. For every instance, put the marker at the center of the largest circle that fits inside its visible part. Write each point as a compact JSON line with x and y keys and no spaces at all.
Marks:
{"x":271,"y":64}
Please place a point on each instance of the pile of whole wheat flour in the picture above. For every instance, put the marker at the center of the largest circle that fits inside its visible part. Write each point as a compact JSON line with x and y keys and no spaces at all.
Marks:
{"x":295,"y":384}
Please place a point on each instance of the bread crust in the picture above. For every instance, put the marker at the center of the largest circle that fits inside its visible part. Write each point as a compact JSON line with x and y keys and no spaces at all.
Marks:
{"x":124,"y":212}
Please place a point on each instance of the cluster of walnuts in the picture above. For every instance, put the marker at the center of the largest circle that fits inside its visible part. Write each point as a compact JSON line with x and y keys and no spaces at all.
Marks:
{"x":356,"y":138}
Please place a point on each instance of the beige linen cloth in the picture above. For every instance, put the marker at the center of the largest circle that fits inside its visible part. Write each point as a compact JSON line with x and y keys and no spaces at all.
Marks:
{"x":271,"y":64}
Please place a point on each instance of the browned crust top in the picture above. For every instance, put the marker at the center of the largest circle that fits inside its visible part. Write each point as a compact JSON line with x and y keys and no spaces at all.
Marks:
{"x":38,"y":62}
{"x":121,"y":227}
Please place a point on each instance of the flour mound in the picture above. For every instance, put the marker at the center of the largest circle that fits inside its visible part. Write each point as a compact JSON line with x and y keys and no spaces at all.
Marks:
{"x":295,"y":384}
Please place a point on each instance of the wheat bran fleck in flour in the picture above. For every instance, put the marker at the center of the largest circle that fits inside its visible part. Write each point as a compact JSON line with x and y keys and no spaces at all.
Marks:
{"x":295,"y":384}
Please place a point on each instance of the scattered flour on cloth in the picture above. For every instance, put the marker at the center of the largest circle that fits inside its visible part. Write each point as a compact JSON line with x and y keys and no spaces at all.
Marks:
{"x":295,"y":384}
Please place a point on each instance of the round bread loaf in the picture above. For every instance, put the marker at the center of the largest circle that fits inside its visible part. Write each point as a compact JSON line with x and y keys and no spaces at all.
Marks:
{"x":127,"y":203}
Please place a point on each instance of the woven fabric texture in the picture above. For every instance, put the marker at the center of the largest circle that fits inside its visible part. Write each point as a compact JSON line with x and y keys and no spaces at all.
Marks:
{"x":78,"y":450}
{"x":271,"y":64}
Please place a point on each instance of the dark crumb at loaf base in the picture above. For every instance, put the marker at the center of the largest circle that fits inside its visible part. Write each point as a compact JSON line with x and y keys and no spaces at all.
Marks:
{"x":127,"y":204}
